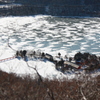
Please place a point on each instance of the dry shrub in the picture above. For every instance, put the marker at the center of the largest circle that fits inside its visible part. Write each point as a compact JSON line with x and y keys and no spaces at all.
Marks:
{"x":13,"y":87}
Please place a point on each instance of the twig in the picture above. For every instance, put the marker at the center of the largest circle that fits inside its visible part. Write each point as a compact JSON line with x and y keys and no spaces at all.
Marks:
{"x":49,"y":91}
{"x":40,"y":77}
{"x":82,"y":94}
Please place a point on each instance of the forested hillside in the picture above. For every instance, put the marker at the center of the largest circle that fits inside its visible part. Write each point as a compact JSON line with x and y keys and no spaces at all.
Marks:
{"x":90,"y":8}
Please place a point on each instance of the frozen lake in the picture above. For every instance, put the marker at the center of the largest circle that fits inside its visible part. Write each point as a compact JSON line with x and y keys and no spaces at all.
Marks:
{"x":49,"y":34}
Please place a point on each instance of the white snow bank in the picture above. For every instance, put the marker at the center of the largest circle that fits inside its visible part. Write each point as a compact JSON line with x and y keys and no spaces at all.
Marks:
{"x":45,"y":68}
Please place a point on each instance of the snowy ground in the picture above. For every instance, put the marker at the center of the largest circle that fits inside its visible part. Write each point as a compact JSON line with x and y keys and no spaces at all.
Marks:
{"x":45,"y":68}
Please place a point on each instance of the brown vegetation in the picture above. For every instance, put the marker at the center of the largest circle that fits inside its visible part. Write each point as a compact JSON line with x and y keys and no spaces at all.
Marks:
{"x":13,"y":87}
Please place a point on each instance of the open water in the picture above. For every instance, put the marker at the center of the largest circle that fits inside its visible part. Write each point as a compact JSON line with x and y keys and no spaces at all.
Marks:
{"x":51,"y":34}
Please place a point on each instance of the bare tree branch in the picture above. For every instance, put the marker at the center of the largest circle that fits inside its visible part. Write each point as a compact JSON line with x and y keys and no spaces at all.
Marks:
{"x":40,"y":77}
{"x":49,"y":91}
{"x":82,"y":93}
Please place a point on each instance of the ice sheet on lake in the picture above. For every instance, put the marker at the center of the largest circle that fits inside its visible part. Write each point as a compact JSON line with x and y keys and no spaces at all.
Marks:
{"x":50,"y":34}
